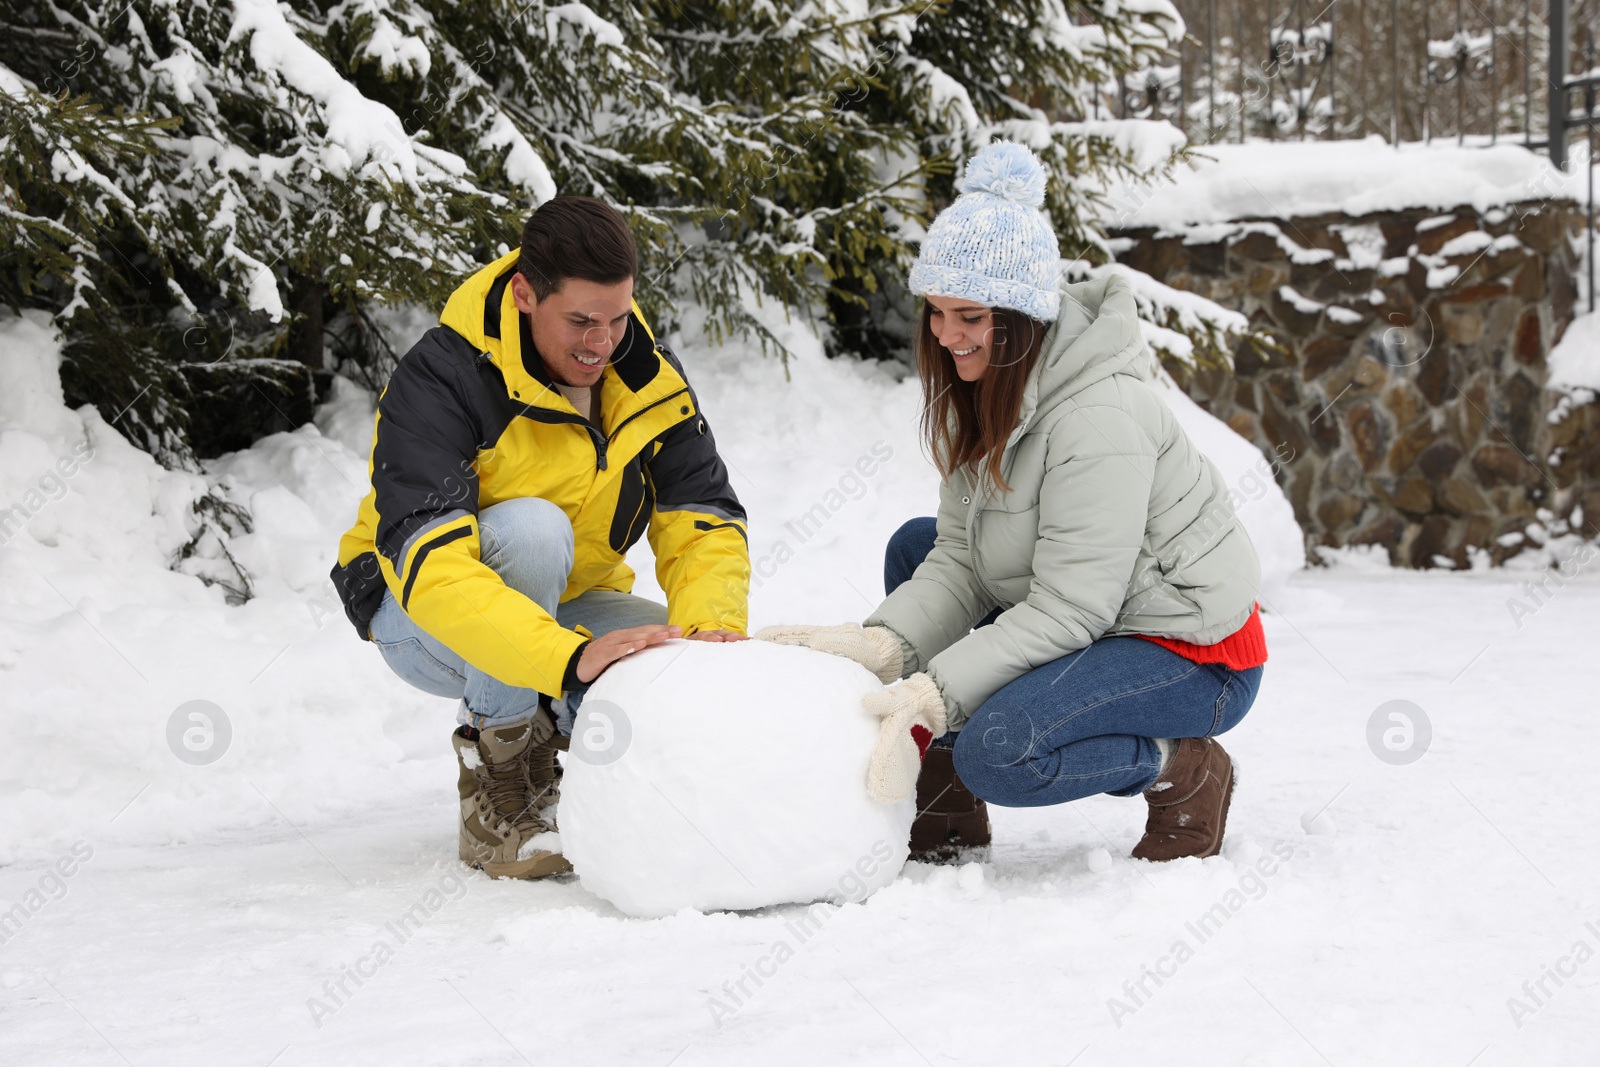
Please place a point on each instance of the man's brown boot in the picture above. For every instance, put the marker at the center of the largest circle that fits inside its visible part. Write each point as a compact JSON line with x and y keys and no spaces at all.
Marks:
{"x":1188,"y":803}
{"x":950,"y":819}
{"x":508,"y":779}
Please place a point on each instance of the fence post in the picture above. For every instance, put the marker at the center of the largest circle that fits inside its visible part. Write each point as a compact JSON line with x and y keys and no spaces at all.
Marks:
{"x":1394,"y":59}
{"x":1558,"y":83}
{"x":1333,"y":73}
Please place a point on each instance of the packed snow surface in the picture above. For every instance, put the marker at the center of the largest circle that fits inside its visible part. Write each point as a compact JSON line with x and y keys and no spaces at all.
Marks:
{"x":280,"y":887}
{"x":728,"y":776}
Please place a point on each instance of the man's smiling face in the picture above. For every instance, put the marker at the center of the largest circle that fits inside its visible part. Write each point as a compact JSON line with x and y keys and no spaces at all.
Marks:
{"x":577,"y":327}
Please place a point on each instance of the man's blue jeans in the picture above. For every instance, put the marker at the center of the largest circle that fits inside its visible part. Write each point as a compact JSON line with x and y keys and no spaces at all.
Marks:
{"x":528,"y":543}
{"x":1085,"y":723}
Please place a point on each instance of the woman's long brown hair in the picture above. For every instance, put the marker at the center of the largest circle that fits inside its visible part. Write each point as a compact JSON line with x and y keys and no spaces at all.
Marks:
{"x":968,"y":422}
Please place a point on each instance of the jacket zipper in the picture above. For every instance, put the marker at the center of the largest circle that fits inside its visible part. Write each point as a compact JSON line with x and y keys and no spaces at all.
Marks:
{"x":605,"y":442}
{"x":595,"y":437}
{"x":973,"y":511}
{"x":600,"y":441}
{"x":972,"y":536}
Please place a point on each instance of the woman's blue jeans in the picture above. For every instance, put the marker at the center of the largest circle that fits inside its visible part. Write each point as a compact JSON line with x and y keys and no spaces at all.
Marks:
{"x":1085,"y":723}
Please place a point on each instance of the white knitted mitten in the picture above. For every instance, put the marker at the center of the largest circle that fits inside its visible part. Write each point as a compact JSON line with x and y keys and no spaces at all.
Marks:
{"x":913,"y":715}
{"x":874,"y":647}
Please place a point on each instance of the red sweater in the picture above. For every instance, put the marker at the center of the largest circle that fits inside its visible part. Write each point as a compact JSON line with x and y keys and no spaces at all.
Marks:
{"x":1246,"y":647}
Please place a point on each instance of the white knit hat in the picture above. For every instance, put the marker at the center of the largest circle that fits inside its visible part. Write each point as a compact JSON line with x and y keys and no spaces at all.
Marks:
{"x":994,"y":246}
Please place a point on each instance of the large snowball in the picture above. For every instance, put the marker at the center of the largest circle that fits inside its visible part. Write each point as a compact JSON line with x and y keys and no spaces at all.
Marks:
{"x":728,"y":776}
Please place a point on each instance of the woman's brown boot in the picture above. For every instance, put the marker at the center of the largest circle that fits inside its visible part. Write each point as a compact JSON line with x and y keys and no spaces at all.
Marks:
{"x":950,"y":819}
{"x":1188,"y":803}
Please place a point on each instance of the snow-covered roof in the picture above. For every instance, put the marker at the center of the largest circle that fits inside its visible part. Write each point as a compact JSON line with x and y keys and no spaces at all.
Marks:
{"x":1276,"y":179}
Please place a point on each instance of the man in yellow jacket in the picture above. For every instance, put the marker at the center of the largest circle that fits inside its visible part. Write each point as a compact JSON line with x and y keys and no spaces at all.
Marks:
{"x":522,"y":446}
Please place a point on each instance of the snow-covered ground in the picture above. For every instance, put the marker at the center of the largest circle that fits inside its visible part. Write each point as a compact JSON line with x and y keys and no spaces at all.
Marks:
{"x":297,"y":901}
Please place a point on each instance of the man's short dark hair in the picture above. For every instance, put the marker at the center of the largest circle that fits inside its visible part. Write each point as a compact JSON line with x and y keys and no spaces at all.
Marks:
{"x":576,"y":237}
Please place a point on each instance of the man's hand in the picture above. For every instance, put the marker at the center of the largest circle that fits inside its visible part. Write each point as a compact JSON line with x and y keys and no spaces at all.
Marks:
{"x":717,"y":635}
{"x":606,"y":649}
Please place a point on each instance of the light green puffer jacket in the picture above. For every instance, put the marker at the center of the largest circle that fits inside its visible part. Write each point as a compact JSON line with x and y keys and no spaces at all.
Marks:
{"x":1115,"y":522}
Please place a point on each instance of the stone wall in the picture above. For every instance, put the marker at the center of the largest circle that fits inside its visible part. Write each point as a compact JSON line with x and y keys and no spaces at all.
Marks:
{"x":1406,"y":374}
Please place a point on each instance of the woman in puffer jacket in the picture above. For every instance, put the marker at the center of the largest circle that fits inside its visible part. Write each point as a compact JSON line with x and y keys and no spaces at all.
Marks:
{"x":1082,"y":610}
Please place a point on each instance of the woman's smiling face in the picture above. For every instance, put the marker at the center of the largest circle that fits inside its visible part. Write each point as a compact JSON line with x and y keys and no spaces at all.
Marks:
{"x":966,"y":331}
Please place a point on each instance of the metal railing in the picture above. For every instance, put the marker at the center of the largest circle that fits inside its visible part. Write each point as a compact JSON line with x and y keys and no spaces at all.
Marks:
{"x":1562,"y":119}
{"x":1480,"y":71}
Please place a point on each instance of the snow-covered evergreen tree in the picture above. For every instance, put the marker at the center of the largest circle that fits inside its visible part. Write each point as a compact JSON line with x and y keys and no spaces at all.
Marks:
{"x":264,"y":182}
{"x":245,"y":178}
{"x":962,"y":73}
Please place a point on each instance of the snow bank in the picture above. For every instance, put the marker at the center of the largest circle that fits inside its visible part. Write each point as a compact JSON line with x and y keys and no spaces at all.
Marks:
{"x":1260,"y":503}
{"x":70,"y":485}
{"x":726,"y":777}
{"x":101,"y":642}
{"x":1575,"y":362}
{"x":1272,"y":179}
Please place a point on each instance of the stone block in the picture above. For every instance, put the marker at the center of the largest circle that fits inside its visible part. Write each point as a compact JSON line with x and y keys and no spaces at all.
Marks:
{"x":1429,"y":241}
{"x":1281,"y":428}
{"x":1472,"y":410}
{"x":1501,"y":465}
{"x":1529,"y":283}
{"x":1244,"y":394}
{"x":1404,"y":403}
{"x":1410,"y":444}
{"x":1438,"y":461}
{"x":1386,"y":529}
{"x":1337,"y":509}
{"x":1413,"y":496}
{"x":1461,"y":497}
{"x":1516,"y":406}
{"x":1345,"y":472}
{"x":1463,"y":324}
{"x":1319,"y":355}
{"x":1259,"y":246}
{"x":1245,"y":425}
{"x":1434,"y":379}
{"x":1281,"y":385}
{"x":1210,"y":258}
{"x":1154,"y":255}
{"x":1296,"y":323}
{"x":1324,"y":428}
{"x":1432,"y":538}
{"x":1265,"y":278}
{"x":1528,"y":342}
{"x":1399,"y":232}
{"x":1367,"y":434}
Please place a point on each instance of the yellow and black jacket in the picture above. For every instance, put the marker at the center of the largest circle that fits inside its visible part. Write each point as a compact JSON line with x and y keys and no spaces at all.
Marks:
{"x":468,"y":420}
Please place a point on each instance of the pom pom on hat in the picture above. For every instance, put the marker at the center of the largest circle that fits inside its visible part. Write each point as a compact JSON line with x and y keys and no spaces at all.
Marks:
{"x":994,"y":246}
{"x":1007,"y":170}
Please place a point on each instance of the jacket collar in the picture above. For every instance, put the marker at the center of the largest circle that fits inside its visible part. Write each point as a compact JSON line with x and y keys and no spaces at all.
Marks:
{"x":1097,"y":335}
